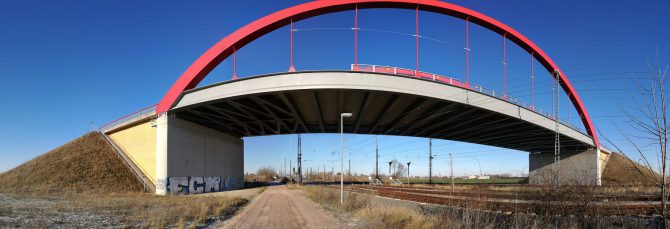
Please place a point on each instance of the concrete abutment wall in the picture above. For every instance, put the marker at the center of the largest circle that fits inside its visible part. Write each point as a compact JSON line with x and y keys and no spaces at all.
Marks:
{"x":574,"y":168}
{"x":191,"y":158}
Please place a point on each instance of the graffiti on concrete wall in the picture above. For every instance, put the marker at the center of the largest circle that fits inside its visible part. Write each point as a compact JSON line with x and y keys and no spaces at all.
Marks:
{"x":195,"y":185}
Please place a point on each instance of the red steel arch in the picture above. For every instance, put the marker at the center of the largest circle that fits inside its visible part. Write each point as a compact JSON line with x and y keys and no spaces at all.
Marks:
{"x":236,"y":40}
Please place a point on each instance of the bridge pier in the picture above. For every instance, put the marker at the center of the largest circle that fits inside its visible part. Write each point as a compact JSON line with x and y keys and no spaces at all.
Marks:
{"x":574,"y":168}
{"x":192,"y":158}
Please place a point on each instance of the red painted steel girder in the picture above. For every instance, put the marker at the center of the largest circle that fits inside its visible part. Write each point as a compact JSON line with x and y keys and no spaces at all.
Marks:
{"x":250,"y":32}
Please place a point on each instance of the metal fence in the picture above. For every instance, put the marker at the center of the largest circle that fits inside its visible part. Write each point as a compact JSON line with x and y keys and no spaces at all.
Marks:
{"x":143,"y":111}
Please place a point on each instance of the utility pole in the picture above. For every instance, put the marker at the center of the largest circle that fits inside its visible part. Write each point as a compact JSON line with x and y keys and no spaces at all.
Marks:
{"x":452,"y":172}
{"x":284,"y":172}
{"x":376,"y":158}
{"x":430,"y":161}
{"x":557,"y":140}
{"x":299,"y":159}
{"x":342,"y":116}
{"x":290,"y":168}
{"x":290,"y":149}
{"x":408,"y":163}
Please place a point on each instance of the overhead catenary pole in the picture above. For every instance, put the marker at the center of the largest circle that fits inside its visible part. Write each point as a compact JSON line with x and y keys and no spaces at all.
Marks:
{"x":376,"y":158}
{"x":290,"y":149}
{"x":430,"y":160}
{"x":284,"y":172}
{"x":452,"y":171}
{"x":299,"y":159}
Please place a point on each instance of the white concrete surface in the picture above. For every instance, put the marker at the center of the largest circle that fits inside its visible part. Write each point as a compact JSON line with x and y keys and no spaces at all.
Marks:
{"x":574,"y":168}
{"x":186,"y":149}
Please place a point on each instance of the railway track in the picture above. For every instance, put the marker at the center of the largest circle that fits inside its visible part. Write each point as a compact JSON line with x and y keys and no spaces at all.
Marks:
{"x":508,"y":202}
{"x":515,"y":195}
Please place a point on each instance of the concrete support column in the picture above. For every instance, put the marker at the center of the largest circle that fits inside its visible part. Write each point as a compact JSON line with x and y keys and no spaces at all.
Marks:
{"x":161,"y":153}
{"x":575,"y":168}
{"x":191,"y":158}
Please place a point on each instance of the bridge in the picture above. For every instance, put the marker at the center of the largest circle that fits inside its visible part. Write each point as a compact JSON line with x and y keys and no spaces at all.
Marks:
{"x":190,"y":142}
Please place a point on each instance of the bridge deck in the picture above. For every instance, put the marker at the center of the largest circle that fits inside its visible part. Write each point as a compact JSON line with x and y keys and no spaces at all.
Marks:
{"x":310,"y":102}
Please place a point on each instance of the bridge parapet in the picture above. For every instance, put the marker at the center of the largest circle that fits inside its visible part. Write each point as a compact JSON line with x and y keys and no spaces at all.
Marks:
{"x":462,"y":84}
{"x":129,"y":119}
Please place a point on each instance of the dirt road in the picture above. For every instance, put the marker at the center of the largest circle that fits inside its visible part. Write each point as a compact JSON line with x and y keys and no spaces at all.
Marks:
{"x":279,"y":207}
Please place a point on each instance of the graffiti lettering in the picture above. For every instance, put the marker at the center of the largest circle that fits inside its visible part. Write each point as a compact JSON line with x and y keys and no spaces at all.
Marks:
{"x":178,"y":185}
{"x":212,"y":184}
{"x":195,"y":185}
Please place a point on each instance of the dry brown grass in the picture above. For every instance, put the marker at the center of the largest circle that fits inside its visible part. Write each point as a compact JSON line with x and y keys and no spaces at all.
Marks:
{"x":574,"y":212}
{"x":372,"y":216}
{"x":148,"y":210}
{"x":621,"y":170}
{"x":85,"y":165}
{"x":396,"y":217}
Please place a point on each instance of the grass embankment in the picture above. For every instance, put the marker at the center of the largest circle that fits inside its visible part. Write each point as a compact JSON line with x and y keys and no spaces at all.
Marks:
{"x":86,"y":176}
{"x":85,"y":165}
{"x":621,"y":170}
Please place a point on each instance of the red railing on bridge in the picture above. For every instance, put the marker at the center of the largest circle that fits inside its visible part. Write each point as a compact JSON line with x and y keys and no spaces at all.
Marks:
{"x":461,"y":84}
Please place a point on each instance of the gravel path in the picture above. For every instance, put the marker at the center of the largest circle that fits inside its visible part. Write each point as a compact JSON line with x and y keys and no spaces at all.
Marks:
{"x":279,"y":207}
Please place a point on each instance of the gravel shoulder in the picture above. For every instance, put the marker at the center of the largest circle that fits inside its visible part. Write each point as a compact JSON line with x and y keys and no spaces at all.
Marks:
{"x":280,"y":207}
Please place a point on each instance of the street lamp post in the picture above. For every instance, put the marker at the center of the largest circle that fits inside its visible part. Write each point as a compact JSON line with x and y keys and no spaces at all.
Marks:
{"x":342,"y":116}
{"x":478,"y":163}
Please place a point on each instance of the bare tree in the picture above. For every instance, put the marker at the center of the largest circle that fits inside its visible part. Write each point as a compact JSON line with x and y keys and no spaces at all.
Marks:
{"x":648,"y":119}
{"x":398,"y":169}
{"x":266,"y":173}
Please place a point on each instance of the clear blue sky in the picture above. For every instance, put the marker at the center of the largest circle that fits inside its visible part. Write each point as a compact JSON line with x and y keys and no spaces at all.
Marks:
{"x":65,"y":64}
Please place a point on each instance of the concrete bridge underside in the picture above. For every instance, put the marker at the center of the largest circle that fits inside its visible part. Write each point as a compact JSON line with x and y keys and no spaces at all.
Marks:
{"x":311,"y":102}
